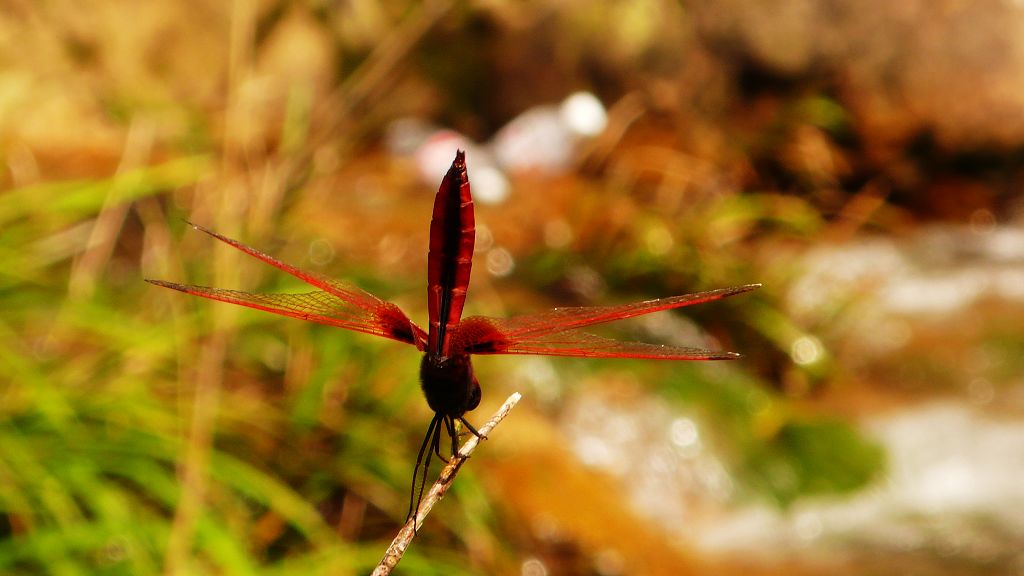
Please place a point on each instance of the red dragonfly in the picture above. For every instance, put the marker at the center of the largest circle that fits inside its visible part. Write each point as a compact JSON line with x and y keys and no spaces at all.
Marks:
{"x":446,"y":371}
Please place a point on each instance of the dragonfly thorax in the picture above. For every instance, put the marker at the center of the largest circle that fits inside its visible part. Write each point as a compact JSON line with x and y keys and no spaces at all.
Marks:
{"x":449,"y":384}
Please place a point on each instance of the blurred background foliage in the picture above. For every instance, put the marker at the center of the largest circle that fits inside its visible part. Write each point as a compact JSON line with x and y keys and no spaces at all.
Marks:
{"x":143,"y":432}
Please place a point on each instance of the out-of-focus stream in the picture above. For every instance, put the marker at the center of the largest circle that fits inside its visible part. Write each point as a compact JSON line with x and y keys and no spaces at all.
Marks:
{"x":951,"y":499}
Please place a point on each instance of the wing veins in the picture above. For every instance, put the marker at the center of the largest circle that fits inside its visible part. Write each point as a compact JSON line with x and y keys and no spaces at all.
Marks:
{"x":556,"y":332}
{"x":342,"y":290}
{"x":309,"y":306}
{"x":338,"y":303}
{"x":586,"y":345}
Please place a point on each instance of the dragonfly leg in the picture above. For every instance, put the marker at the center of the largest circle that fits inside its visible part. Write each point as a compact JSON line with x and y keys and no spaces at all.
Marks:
{"x":450,"y":423}
{"x":425,"y":449}
{"x":471,"y":429}
{"x":437,"y":442}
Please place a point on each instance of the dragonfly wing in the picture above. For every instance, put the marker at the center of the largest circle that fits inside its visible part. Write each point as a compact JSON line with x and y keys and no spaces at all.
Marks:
{"x":480,"y":335}
{"x":336,"y":303}
{"x":320,"y":282}
{"x":358,"y":310}
{"x":556,"y":332}
{"x":561,"y":319}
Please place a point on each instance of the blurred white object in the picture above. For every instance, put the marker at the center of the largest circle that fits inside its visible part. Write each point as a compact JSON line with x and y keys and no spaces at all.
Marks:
{"x":584,"y":114}
{"x":405,"y":135}
{"x":543,"y":138}
{"x":434,"y":155}
{"x":432,"y":150}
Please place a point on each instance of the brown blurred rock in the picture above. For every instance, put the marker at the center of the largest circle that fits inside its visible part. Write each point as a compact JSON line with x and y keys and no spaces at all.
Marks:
{"x":951,"y":67}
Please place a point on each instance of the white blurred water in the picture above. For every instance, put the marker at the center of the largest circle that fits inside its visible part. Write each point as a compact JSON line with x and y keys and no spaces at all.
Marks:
{"x":952,"y":499}
{"x":953,"y":488}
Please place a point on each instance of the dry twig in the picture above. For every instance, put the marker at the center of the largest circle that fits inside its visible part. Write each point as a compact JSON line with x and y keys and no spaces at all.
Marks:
{"x":437,"y":491}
